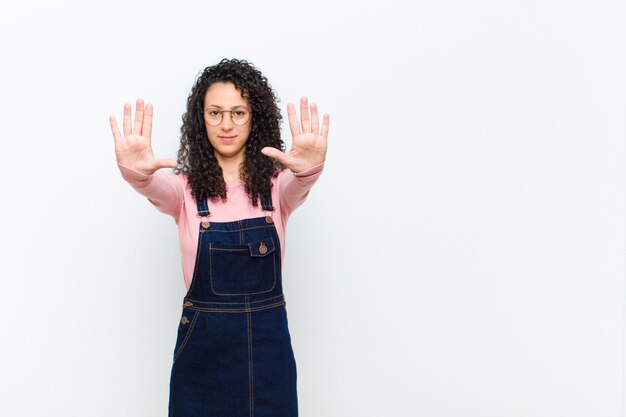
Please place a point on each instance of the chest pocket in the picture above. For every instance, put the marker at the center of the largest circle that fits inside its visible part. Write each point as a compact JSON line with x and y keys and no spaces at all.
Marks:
{"x":244,"y":269}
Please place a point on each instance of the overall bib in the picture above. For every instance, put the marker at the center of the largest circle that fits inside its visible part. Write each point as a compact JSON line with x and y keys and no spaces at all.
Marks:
{"x":233,"y":355}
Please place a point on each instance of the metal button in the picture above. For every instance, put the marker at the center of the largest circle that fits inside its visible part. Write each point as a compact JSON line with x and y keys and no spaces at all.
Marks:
{"x":262,"y":248}
{"x":269,"y":220}
{"x":206,"y":224}
{"x":184,"y":320}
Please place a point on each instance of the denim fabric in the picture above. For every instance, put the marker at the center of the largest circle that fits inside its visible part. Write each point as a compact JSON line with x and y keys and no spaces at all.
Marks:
{"x":233,"y":354}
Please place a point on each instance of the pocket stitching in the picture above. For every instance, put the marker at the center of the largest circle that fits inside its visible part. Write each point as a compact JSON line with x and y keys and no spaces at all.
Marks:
{"x":273,"y":252}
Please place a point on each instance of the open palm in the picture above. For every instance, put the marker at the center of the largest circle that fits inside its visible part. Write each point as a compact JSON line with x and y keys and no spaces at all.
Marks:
{"x":309,"y":143}
{"x":134,"y":149}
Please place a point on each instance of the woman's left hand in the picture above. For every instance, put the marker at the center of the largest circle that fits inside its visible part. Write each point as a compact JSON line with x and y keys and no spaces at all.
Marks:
{"x":308,"y":147}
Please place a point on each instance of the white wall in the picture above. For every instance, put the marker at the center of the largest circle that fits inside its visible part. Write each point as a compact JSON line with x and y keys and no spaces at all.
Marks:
{"x":462,"y":255}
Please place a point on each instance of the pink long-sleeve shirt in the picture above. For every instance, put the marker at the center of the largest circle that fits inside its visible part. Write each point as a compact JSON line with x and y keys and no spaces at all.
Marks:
{"x":170,"y":194}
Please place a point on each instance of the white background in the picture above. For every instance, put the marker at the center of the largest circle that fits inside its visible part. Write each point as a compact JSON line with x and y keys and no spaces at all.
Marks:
{"x":462,"y":254}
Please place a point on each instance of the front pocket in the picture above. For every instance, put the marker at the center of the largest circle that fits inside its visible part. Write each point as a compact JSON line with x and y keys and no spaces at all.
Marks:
{"x":244,"y":269}
{"x":185,"y":328}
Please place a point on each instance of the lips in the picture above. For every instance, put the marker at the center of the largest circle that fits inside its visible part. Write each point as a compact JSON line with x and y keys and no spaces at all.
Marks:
{"x":227,"y":139}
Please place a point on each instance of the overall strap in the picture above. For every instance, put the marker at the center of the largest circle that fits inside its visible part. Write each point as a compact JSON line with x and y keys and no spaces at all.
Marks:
{"x":203,"y":208}
{"x":266,"y":203}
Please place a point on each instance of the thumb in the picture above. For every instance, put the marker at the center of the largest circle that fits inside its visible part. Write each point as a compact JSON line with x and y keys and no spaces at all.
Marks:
{"x":166,"y":163}
{"x":276,"y":154}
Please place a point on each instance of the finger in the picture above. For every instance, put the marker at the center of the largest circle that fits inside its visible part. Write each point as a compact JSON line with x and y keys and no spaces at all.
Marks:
{"x":127,"y":126}
{"x":166,"y":163}
{"x":276,"y":154}
{"x":138,"y":117}
{"x":117,"y":136}
{"x":304,"y":115}
{"x":315,"y":120}
{"x":293,"y":120}
{"x":147,"y":121}
{"x":325,"y":125}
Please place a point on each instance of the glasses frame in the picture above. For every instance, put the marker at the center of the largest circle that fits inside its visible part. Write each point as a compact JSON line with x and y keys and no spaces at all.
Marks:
{"x":231,"y":115}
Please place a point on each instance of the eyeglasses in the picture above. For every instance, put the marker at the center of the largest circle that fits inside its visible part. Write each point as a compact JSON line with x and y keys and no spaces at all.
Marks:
{"x":240,"y":116}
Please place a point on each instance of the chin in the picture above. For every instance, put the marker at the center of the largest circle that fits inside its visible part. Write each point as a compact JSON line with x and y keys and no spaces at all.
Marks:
{"x":228,"y":152}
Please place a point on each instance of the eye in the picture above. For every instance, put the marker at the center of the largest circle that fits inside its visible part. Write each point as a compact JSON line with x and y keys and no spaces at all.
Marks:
{"x":213,"y":113}
{"x":240,"y":113}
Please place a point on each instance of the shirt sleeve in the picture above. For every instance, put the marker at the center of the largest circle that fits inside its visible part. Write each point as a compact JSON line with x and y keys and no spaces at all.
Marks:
{"x":294,"y":188}
{"x":163,"y":189}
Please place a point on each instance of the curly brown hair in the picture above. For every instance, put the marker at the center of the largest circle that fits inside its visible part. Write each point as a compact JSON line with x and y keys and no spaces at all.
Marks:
{"x":196,"y":158}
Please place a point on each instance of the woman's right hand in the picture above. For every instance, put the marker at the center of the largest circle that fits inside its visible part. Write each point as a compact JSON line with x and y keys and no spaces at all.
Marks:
{"x":134,"y":149}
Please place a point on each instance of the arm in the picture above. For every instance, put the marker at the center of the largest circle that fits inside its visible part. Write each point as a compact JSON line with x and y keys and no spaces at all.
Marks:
{"x":294,"y":188}
{"x":163,"y":189}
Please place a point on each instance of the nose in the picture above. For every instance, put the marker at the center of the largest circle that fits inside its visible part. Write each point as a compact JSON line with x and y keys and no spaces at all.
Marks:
{"x":227,"y":122}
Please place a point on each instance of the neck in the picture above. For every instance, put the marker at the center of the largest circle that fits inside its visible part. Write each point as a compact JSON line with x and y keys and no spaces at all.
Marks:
{"x":230,"y":167}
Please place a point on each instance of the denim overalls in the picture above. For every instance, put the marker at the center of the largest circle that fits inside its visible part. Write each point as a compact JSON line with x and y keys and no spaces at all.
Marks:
{"x":233,"y":355}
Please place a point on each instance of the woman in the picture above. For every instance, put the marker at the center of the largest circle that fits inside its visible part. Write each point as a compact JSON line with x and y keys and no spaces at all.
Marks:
{"x":231,"y":193}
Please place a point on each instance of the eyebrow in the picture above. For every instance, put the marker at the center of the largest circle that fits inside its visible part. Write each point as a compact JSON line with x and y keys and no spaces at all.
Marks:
{"x":232,"y":108}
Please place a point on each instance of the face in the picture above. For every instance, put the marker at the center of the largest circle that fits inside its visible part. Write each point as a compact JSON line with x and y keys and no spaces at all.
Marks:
{"x":228,"y":139}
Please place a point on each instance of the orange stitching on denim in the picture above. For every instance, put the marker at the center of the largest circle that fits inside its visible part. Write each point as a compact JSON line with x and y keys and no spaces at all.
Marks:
{"x":236,"y":230}
{"x":244,"y":247}
{"x":249,"y":302}
{"x":250,"y":366}
{"x":189,"y":330}
{"x":237,"y":310}
{"x":248,"y":293}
